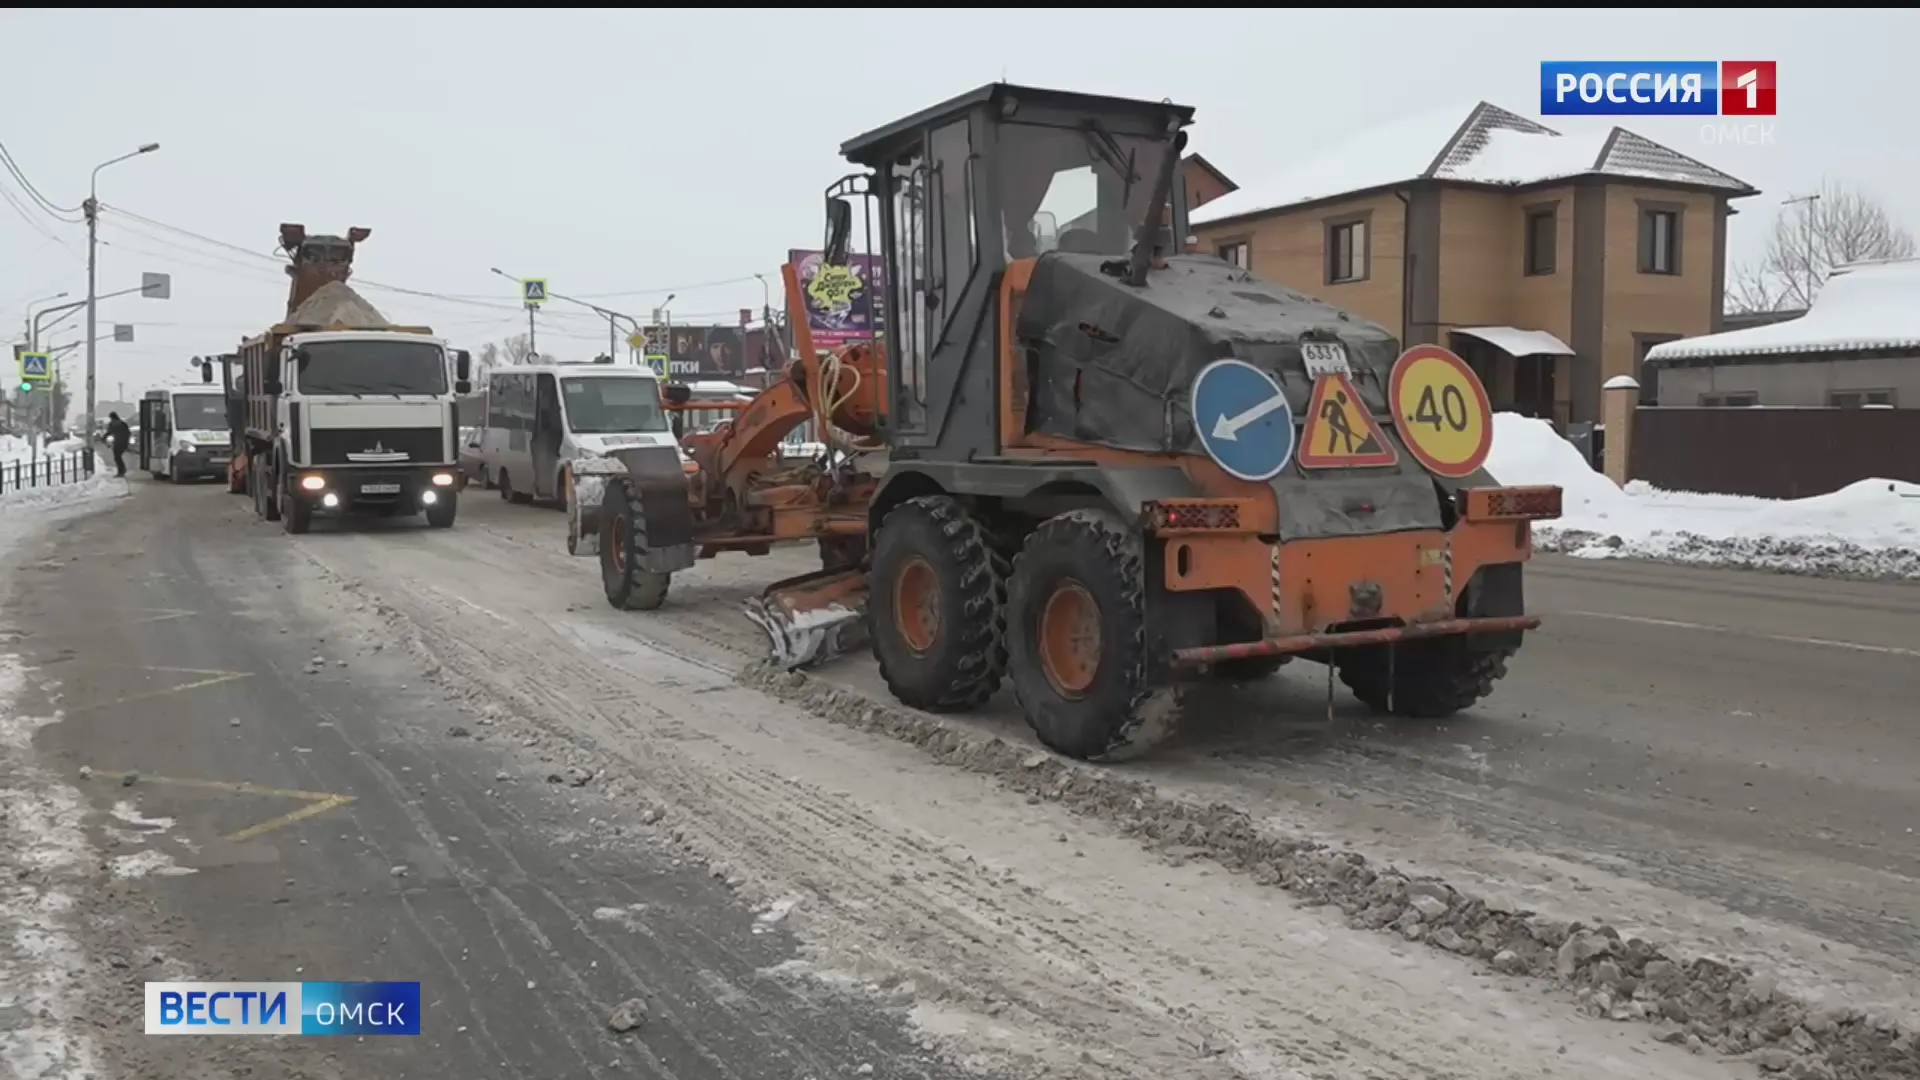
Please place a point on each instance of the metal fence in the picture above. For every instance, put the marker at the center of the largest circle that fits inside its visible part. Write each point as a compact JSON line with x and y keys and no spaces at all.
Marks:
{"x":48,"y":470}
{"x":1776,"y":453}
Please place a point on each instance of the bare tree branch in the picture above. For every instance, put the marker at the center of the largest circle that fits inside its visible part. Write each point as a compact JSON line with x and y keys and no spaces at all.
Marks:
{"x":1811,"y":236}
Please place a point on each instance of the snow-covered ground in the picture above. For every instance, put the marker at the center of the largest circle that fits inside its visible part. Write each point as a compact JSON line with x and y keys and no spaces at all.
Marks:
{"x":42,"y":839}
{"x":1870,"y":527}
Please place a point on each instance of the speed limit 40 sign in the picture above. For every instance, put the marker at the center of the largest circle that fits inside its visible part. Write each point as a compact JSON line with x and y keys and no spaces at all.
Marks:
{"x":1442,"y":411}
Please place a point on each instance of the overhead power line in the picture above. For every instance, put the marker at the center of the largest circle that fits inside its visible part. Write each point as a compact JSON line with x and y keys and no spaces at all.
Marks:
{"x":478,"y":299}
{"x":20,"y":175}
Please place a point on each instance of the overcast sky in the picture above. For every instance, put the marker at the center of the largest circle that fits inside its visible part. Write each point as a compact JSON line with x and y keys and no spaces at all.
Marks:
{"x":627,"y":155}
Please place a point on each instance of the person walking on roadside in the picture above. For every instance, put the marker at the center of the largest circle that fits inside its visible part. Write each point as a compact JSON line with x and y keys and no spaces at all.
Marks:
{"x":118,"y":434}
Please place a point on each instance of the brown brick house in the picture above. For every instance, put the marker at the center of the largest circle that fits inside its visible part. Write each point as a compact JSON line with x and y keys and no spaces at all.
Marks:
{"x":1550,"y":262}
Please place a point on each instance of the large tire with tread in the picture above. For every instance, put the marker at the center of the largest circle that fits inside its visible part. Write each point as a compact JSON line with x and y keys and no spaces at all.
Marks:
{"x":936,"y":606}
{"x":1077,"y":640}
{"x":622,"y":532}
{"x":296,"y":516}
{"x":1429,"y":679}
{"x":441,"y":514}
{"x":265,"y":506}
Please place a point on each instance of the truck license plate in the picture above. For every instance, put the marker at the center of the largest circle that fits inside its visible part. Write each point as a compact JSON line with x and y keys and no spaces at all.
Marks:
{"x":380,"y":489}
{"x":1325,"y":358}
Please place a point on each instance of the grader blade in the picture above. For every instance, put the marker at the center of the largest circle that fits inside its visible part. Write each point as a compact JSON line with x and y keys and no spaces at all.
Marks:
{"x":813,"y":618}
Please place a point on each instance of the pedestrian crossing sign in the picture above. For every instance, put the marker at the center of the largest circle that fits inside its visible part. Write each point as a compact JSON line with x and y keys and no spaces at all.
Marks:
{"x":1341,"y":432}
{"x":534,"y":291}
{"x":35,"y":367}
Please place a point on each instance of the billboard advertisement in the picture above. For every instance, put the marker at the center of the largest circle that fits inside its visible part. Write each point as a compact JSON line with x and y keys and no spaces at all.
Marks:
{"x":844,"y":303}
{"x":687,"y":353}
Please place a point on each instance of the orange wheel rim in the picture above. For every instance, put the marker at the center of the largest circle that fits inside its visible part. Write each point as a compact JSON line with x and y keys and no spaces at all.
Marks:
{"x":1070,"y":639}
{"x":619,"y":545}
{"x":916,"y":604}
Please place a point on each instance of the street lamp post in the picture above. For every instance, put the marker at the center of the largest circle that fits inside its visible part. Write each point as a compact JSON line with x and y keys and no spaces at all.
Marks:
{"x":35,"y":304}
{"x":613,"y":327}
{"x":33,"y":335}
{"x":92,"y":207}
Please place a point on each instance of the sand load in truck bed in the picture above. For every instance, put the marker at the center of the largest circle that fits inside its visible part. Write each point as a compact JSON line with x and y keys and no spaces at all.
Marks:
{"x":336,"y":304}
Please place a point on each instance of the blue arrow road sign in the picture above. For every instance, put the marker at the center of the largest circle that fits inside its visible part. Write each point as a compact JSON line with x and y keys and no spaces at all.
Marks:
{"x":1242,"y":419}
{"x":34,"y":366}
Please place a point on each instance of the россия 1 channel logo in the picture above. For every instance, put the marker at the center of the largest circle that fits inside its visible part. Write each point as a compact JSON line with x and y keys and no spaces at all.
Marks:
{"x":290,"y":1008}
{"x":1658,"y":88}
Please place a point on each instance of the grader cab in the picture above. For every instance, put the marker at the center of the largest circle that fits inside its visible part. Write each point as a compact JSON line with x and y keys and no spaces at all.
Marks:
{"x":1111,"y":469}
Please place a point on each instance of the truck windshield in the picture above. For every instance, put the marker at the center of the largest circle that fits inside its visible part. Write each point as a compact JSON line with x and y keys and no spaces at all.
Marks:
{"x":373,"y":367}
{"x":610,"y":404}
{"x":199,"y":412}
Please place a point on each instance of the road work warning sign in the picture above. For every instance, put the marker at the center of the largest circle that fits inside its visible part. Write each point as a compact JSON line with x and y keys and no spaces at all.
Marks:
{"x":1340,"y":432}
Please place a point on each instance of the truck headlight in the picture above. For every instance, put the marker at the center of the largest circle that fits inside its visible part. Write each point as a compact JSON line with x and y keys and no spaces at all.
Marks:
{"x":313,"y":483}
{"x":441,"y":479}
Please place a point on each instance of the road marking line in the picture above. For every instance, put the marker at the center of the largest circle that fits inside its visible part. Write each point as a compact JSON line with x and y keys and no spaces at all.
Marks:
{"x":231,"y":787}
{"x":318,"y":802}
{"x":305,"y":812}
{"x":223,"y":677}
{"x":1830,"y":643}
{"x":165,"y":615}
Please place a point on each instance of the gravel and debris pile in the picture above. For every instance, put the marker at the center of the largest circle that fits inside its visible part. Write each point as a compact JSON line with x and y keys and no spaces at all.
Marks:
{"x":1702,"y":1003}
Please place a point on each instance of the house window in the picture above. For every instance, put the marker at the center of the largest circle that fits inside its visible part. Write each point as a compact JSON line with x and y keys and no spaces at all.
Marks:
{"x":1857,"y":399}
{"x":1541,"y":236}
{"x":1659,"y":241}
{"x":1346,"y":251}
{"x":1729,"y":400}
{"x":1237,"y":254}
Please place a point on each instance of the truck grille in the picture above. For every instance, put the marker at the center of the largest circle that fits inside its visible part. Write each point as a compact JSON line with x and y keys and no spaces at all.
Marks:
{"x":378,"y":446}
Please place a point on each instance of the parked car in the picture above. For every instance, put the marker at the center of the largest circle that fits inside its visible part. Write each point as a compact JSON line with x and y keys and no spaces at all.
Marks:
{"x":471,"y":462}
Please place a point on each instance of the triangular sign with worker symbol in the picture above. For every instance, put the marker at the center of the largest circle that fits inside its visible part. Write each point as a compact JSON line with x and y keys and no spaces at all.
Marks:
{"x":1340,"y":431}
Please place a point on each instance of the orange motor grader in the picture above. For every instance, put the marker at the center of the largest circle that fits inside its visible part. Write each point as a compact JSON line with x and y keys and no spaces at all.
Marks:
{"x":1110,"y":470}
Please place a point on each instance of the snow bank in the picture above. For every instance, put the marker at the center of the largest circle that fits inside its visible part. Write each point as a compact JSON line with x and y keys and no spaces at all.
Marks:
{"x":47,"y":856}
{"x":1871,"y":527}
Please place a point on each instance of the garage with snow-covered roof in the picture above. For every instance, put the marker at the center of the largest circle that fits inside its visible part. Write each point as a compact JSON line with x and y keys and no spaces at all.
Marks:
{"x":1858,"y":346}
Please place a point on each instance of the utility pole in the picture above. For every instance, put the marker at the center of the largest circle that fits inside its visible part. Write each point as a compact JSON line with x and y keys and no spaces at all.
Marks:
{"x":1806,"y":250}
{"x":92,"y":207}
{"x":533,"y":352}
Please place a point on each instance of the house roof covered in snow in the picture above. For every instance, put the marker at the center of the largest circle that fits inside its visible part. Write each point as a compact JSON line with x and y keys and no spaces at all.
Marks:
{"x":1467,"y":144}
{"x":1874,"y":305}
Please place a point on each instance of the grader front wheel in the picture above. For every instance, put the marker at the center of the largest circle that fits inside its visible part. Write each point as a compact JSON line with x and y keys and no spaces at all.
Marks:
{"x":622,"y":539}
{"x":1077,"y":640}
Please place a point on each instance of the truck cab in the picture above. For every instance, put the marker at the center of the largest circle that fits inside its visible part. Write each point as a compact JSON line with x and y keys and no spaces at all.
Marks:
{"x":355,"y":421}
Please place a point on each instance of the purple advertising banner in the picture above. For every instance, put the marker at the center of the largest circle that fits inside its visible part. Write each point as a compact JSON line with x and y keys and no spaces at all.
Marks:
{"x":844,"y":303}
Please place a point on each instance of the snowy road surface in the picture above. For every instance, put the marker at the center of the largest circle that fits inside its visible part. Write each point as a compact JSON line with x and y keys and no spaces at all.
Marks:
{"x":440,"y":756}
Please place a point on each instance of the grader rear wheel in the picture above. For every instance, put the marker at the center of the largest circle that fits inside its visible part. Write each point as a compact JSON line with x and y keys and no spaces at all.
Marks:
{"x":938,"y":590}
{"x":1430,"y":679}
{"x":1077,"y":640}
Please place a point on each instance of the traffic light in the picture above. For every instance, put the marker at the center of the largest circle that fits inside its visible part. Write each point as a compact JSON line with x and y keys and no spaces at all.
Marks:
{"x":26,"y":387}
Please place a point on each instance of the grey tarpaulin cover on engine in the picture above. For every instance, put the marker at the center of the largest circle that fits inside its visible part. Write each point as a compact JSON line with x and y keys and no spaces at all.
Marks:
{"x":1117,"y":364}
